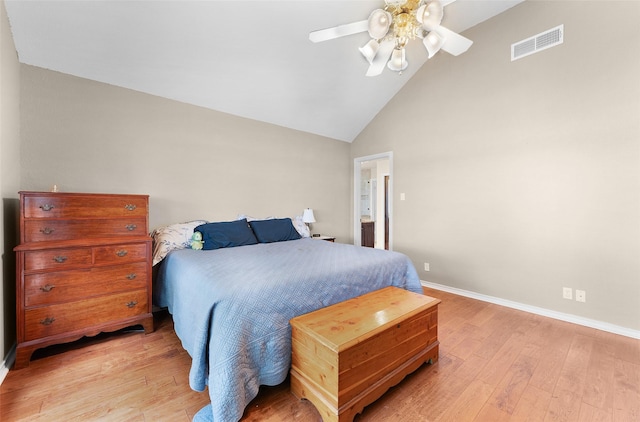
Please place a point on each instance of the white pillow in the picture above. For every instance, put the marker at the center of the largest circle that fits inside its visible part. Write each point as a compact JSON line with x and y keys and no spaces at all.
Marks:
{"x":172,"y":237}
{"x":249,"y":218}
{"x":300,"y":226}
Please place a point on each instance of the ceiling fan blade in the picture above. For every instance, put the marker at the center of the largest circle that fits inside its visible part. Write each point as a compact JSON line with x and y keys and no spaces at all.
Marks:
{"x":339,"y":31}
{"x":446,"y":2}
{"x":380,"y":60}
{"x":454,"y":43}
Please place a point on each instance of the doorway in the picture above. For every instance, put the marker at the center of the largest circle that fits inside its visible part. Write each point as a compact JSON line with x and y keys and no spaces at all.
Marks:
{"x":373,"y":200}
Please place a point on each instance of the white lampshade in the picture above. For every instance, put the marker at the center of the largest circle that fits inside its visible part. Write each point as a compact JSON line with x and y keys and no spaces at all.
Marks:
{"x":433,"y":42}
{"x":369,"y":50}
{"x":430,"y":15}
{"x":307,"y":216}
{"x":379,"y":23}
{"x":397,"y":63}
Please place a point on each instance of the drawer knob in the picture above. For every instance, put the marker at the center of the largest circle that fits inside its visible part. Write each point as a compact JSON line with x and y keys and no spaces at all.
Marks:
{"x":47,"y":207}
{"x":130,"y":207}
{"x":47,"y":287}
{"x":132,"y":304}
{"x":131,"y":276}
{"x":60,"y":259}
{"x":122,"y":252}
{"x":131,"y":227}
{"x":47,"y":230}
{"x":47,"y":321}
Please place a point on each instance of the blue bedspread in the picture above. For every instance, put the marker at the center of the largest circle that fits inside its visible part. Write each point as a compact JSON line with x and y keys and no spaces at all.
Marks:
{"x":231,"y":307}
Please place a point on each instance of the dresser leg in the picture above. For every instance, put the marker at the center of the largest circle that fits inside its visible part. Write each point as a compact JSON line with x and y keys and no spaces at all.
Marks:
{"x":23,"y":356}
{"x":147,"y":324}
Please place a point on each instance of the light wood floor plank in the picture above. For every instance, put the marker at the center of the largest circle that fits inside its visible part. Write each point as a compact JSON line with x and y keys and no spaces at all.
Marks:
{"x":508,"y":392}
{"x":496,"y":364}
{"x":626,"y":402}
{"x":599,"y":382}
{"x":468,"y":404}
{"x":533,"y":405}
{"x":589,"y":413}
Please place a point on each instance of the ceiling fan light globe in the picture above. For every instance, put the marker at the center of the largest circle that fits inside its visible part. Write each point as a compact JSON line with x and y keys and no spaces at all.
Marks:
{"x":369,"y":50}
{"x":433,"y":42}
{"x":430,"y":15}
{"x":379,"y":23}
{"x":419,"y":32}
{"x":420,"y":13}
{"x":398,"y":61}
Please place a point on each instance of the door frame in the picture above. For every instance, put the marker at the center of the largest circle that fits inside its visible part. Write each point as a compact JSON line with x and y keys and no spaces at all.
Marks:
{"x":357,"y":168}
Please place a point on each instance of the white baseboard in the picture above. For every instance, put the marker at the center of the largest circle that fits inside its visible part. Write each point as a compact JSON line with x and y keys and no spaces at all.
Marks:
{"x":599,"y":325}
{"x":8,"y":363}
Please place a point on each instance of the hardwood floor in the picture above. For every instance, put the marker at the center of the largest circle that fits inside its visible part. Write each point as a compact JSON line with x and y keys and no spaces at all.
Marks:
{"x":496,"y":364}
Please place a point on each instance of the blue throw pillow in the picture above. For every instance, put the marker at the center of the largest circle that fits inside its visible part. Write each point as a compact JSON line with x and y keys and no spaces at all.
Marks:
{"x":226,"y":234}
{"x":274,"y":230}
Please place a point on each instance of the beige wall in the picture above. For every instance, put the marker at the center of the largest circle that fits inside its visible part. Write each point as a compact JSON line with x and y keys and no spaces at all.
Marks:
{"x":193,"y":162}
{"x":523,"y":177}
{"x":9,"y":180}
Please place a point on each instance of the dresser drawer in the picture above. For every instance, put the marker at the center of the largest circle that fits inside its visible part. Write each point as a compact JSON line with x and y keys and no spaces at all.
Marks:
{"x":66,"y":286}
{"x":116,"y":254}
{"x":49,"y":230}
{"x":67,"y":317}
{"x":58,"y":259}
{"x":56,"y":205}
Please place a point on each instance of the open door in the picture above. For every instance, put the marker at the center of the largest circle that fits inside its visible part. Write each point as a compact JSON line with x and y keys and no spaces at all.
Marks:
{"x":386,"y":212}
{"x":373,"y":201}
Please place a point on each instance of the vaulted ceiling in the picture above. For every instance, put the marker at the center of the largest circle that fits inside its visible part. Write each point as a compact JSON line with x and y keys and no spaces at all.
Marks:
{"x":247,"y":58}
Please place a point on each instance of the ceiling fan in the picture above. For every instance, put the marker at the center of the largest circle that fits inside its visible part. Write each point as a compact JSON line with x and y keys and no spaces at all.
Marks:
{"x":392,"y":27}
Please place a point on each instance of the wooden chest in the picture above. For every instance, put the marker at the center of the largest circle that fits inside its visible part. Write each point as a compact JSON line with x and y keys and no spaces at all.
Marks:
{"x":345,"y":356}
{"x":83,"y":266}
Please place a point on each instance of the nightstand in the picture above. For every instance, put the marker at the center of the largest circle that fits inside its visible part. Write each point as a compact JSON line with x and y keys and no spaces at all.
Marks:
{"x":323,"y":237}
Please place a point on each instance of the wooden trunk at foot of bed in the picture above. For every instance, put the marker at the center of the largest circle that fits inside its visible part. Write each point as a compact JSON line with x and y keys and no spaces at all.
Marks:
{"x":347,"y":355}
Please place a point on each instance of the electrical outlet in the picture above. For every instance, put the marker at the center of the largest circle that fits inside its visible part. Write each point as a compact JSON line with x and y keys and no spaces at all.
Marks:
{"x":426,"y":266}
{"x":581,"y":296}
{"x":567,"y":293}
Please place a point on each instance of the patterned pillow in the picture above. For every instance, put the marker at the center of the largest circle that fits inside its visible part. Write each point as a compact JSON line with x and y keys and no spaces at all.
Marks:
{"x":300,"y":226}
{"x":172,"y":237}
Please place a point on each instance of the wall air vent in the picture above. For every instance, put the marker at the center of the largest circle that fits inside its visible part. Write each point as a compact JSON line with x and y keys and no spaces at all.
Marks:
{"x":542,"y":41}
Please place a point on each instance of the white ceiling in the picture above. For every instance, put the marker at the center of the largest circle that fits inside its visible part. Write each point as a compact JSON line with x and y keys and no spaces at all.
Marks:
{"x":247,"y":58}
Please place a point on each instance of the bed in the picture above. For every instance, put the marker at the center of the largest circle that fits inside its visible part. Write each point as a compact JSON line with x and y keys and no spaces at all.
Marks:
{"x":231,"y":307}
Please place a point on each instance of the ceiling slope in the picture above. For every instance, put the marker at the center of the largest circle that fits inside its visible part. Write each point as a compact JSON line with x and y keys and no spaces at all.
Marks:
{"x":248,"y":58}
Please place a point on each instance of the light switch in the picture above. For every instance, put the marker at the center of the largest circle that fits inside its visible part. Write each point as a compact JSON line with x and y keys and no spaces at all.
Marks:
{"x":402,"y":197}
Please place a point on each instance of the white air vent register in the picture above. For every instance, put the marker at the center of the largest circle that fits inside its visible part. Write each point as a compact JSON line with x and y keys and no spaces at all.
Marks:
{"x":542,"y":41}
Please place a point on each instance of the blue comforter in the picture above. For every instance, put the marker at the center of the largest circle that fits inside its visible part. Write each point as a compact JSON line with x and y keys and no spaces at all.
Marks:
{"x":231,"y":307}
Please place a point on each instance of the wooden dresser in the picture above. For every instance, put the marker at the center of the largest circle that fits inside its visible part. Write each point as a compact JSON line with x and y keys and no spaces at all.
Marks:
{"x":347,"y":355}
{"x":83,"y":267}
